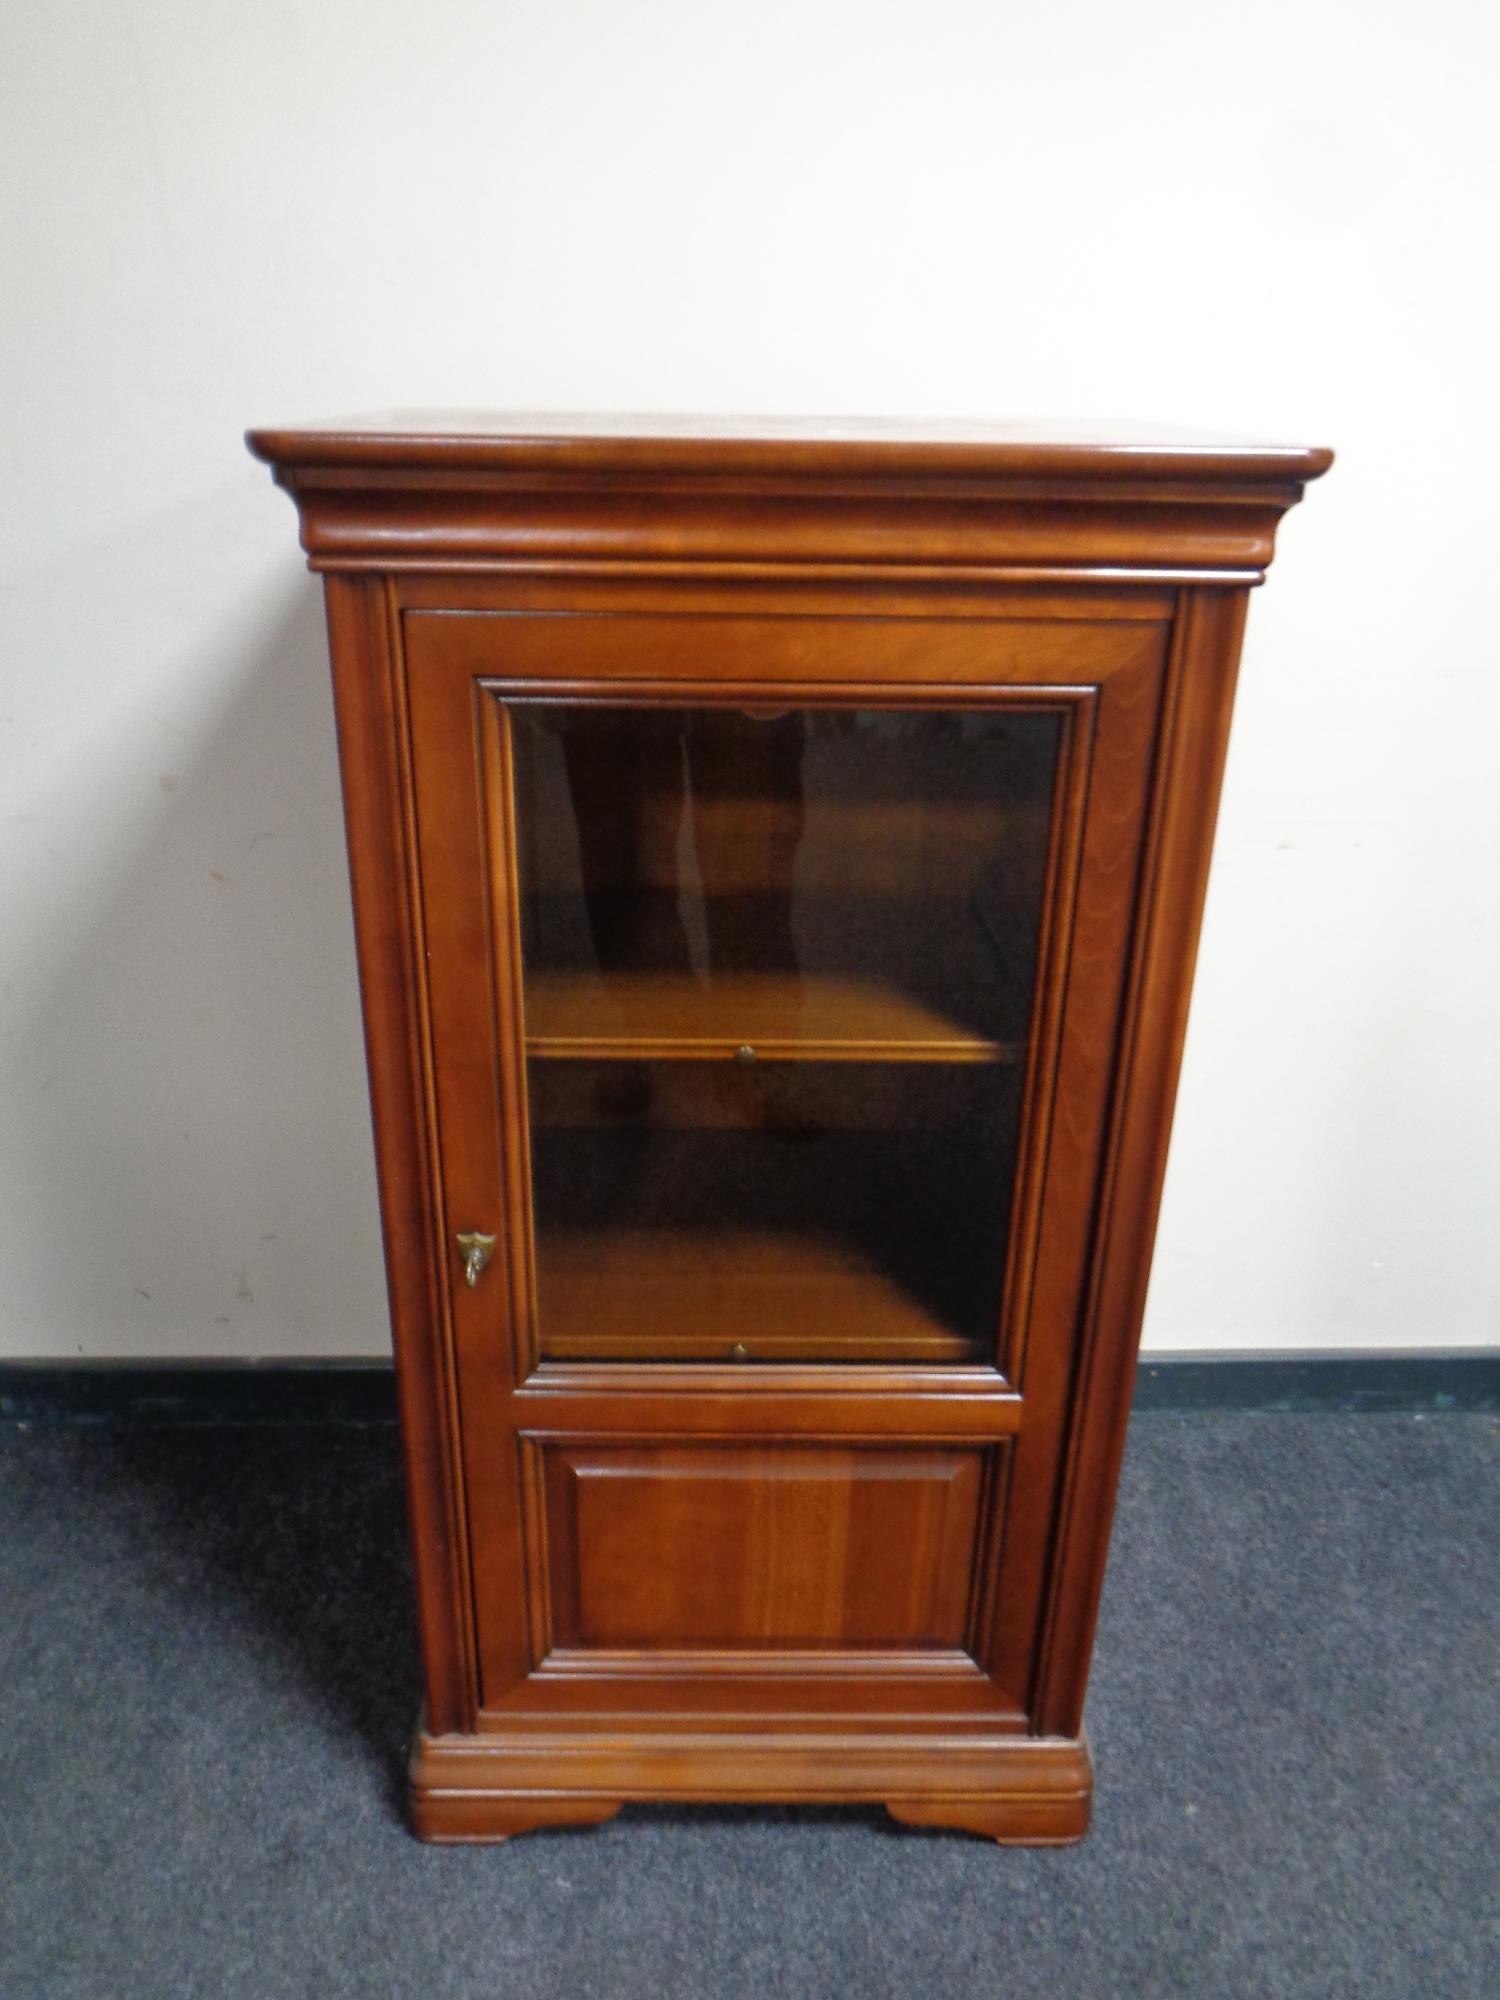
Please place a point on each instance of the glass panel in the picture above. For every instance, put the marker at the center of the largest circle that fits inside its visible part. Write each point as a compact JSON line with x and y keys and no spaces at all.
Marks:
{"x":777,"y":984}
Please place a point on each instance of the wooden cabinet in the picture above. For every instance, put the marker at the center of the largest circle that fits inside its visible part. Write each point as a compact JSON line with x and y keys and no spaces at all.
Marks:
{"x":777,"y":860}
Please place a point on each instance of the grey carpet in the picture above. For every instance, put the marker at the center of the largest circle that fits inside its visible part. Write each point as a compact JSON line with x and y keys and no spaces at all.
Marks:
{"x":207,"y":1672}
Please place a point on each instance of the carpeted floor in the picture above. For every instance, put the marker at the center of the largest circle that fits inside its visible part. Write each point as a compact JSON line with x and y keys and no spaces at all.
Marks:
{"x":207,"y":1671}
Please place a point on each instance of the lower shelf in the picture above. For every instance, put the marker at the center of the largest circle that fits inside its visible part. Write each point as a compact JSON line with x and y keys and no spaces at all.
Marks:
{"x":1028,"y":1790}
{"x":696,"y":1294}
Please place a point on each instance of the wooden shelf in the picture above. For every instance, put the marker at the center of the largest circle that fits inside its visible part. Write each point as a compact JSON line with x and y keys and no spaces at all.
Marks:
{"x":692,"y":1294}
{"x":782,"y":1016}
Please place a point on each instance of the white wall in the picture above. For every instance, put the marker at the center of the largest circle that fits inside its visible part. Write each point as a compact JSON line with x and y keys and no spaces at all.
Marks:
{"x":1276,"y":221}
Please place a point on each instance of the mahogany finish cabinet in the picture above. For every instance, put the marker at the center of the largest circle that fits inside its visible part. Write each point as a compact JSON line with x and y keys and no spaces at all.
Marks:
{"x":777,"y":854}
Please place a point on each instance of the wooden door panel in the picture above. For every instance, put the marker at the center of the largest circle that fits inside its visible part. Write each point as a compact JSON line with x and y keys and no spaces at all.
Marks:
{"x":720,"y":1545}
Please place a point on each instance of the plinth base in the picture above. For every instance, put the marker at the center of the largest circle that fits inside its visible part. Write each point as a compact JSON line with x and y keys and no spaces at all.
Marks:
{"x":1016,"y":1789}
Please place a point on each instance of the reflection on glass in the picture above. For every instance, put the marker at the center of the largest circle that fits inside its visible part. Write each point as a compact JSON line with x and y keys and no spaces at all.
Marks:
{"x":630,"y":796}
{"x":777,"y":986}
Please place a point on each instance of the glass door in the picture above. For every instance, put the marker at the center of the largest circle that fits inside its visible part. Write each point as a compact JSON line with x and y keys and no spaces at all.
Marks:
{"x":777,"y":992}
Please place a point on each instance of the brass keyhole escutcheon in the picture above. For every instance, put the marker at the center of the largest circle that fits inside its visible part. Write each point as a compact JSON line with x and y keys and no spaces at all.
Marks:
{"x":744,"y":1055}
{"x":739,"y":1351}
{"x":477,"y":1250}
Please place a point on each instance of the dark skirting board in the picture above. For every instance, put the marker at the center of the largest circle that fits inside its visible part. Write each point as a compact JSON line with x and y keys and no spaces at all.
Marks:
{"x":356,"y":1392}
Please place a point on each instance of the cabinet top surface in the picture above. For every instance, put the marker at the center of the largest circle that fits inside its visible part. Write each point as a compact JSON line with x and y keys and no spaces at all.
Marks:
{"x":724,"y":446}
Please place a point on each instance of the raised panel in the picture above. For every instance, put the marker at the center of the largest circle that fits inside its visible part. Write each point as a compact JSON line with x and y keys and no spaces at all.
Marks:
{"x":693,"y":1547}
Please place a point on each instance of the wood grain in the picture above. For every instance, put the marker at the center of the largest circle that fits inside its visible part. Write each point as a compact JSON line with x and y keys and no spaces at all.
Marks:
{"x":665,"y":1294}
{"x":775,"y":1549}
{"x":387,"y":496}
{"x":1032,"y":1789}
{"x":370,"y":721}
{"x":781,"y":1017}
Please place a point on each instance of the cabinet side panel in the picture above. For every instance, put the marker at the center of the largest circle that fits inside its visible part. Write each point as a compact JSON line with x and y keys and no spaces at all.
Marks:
{"x":375,"y":813}
{"x":1193,"y":745}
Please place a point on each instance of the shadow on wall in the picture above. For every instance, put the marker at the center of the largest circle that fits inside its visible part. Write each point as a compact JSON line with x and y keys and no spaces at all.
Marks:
{"x":193,"y":1122}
